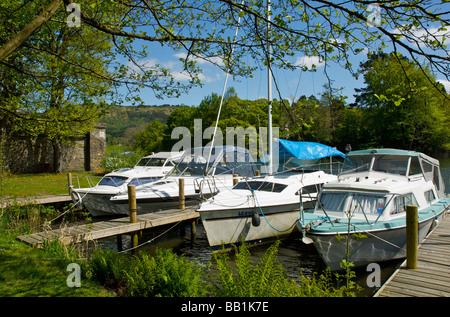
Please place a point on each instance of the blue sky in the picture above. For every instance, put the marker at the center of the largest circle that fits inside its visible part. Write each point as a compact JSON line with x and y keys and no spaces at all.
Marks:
{"x":292,"y":84}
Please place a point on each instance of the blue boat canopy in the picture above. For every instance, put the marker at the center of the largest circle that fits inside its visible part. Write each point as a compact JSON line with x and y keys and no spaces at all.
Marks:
{"x":303,"y":150}
{"x":291,"y":154}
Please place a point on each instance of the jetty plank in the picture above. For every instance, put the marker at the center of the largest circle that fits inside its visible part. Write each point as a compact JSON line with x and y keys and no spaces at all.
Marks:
{"x":110,"y":227}
{"x":35,"y":200}
{"x":432,"y":276}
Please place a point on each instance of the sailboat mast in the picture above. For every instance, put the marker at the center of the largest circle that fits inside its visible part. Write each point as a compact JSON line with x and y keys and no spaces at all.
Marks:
{"x":269,"y":88}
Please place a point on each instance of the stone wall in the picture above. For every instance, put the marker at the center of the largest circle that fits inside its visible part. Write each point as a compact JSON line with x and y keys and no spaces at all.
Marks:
{"x":82,"y":153}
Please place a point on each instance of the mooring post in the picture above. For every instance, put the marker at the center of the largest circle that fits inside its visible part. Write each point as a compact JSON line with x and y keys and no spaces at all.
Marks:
{"x":412,"y":236}
{"x":69,"y":181}
{"x":181,"y":193}
{"x":193,"y":231}
{"x":119,"y":243}
{"x":133,"y":212}
{"x":235,"y":179}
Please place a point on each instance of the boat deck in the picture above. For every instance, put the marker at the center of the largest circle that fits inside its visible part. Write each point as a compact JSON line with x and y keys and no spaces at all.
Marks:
{"x":432,"y":276}
{"x":111,"y":227}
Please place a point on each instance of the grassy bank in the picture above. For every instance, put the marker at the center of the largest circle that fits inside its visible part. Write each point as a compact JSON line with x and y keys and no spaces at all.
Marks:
{"x":32,"y":272}
{"x":36,"y":185}
{"x":27,"y":271}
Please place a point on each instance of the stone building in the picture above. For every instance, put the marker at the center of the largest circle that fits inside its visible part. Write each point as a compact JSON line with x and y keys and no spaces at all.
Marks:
{"x":82,"y":153}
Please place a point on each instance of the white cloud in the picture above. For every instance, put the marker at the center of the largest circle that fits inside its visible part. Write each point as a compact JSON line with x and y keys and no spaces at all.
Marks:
{"x":446,"y":84}
{"x":201,"y":61}
{"x":422,"y":36}
{"x":309,"y":61}
{"x":175,"y":68}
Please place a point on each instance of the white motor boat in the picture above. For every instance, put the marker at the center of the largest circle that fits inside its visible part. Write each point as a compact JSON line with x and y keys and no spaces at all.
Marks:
{"x":201,"y":179}
{"x":260,"y":209}
{"x":364,"y":211}
{"x":96,"y":199}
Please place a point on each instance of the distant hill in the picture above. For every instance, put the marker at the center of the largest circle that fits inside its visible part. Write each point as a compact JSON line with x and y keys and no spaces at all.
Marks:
{"x":122,"y":122}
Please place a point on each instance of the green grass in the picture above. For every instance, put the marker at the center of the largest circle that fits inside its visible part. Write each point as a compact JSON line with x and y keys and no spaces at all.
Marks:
{"x":36,"y":185}
{"x":32,"y":272}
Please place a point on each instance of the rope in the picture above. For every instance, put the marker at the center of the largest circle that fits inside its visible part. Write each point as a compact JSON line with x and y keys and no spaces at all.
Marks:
{"x":381,"y":239}
{"x":151,"y":240}
{"x":257,"y":203}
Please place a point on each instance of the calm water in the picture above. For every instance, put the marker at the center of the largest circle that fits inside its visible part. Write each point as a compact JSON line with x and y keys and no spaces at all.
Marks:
{"x":292,"y":253}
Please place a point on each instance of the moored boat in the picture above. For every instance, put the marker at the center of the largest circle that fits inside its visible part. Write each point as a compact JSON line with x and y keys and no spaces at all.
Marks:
{"x":263,"y":208}
{"x":361,"y":217}
{"x":96,"y":199}
{"x":202,"y":178}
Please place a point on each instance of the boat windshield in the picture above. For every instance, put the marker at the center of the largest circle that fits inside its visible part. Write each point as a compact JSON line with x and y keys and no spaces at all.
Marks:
{"x":397,"y":165}
{"x":355,"y":202}
{"x":356,"y":163}
{"x":143,"y":180}
{"x":114,"y":181}
{"x":261,"y":186}
{"x":151,"y":161}
{"x":391,"y":164}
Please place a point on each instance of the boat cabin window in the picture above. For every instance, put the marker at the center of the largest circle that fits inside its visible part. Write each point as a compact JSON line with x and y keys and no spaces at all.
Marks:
{"x":310,"y":189}
{"x":333,"y":201}
{"x":354,"y":202}
{"x":393,"y":165}
{"x":356,"y":163}
{"x":143,"y":180}
{"x":400,"y":203}
{"x":368,"y":204}
{"x":429,"y":196}
{"x":261,"y":186}
{"x":114,"y":181}
{"x":151,"y":161}
{"x":415,"y":167}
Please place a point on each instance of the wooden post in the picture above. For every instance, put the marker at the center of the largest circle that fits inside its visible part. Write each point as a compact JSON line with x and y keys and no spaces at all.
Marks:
{"x":193,"y":231}
{"x":235,"y":179}
{"x":119,"y":243}
{"x":133,"y":212}
{"x":181,"y":193}
{"x":69,"y":181}
{"x":412,"y":236}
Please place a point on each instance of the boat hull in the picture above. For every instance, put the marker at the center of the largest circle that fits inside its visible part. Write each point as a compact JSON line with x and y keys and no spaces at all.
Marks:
{"x":377,"y":245}
{"x":100,"y":205}
{"x":233,"y":226}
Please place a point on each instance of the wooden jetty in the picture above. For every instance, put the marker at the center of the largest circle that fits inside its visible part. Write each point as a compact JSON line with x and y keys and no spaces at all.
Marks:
{"x":51,"y":199}
{"x":432,"y":276}
{"x":111,"y":227}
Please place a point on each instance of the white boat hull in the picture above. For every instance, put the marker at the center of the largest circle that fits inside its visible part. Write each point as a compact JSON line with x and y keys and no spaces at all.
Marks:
{"x":100,"y":205}
{"x":377,"y":246}
{"x":233,"y":226}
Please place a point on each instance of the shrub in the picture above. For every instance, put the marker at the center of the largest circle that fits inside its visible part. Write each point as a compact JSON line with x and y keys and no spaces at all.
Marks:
{"x":266,"y":279}
{"x":164,"y":275}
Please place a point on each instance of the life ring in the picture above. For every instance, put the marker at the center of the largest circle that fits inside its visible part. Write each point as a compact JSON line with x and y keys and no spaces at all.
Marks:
{"x":76,"y":198}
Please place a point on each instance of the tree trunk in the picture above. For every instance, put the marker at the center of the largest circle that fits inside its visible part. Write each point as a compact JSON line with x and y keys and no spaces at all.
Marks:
{"x":57,"y":156}
{"x":26,"y":32}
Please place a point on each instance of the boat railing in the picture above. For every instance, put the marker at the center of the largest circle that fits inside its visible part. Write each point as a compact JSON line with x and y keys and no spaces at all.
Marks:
{"x":86,"y":180}
{"x":199,"y":184}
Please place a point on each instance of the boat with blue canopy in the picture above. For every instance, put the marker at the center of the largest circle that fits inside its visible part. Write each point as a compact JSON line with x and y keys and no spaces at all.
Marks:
{"x":361,"y":216}
{"x":267,"y":207}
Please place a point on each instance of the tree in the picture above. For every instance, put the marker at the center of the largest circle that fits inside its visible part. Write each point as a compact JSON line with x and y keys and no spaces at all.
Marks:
{"x":406,"y":110}
{"x":49,"y":94}
{"x":203,"y":30}
{"x":151,"y":138}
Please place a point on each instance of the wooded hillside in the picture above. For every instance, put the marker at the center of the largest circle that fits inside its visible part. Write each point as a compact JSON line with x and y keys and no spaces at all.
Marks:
{"x":123,"y":122}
